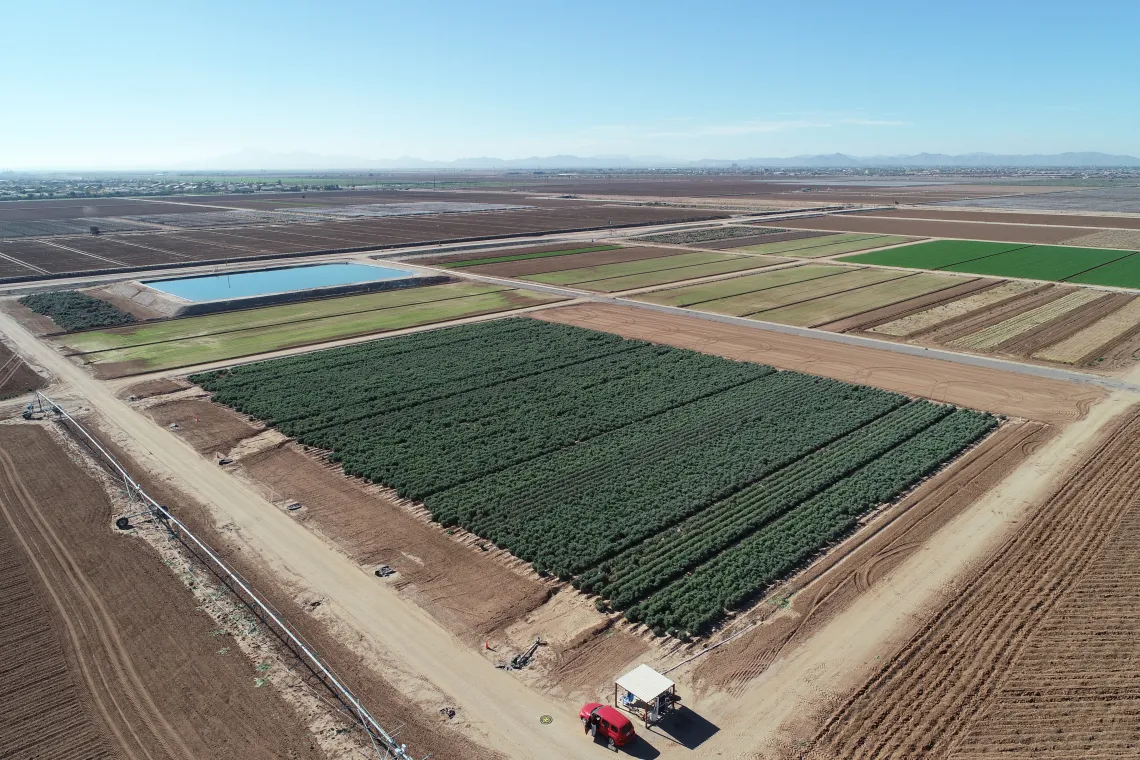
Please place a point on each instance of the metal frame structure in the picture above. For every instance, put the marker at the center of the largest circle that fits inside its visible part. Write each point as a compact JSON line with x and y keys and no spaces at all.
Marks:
{"x":383,"y":742}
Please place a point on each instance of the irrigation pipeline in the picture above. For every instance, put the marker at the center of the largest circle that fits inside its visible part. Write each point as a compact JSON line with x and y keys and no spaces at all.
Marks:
{"x":376,"y":732}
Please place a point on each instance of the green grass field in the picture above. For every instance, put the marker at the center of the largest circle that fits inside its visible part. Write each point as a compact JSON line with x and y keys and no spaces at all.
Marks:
{"x":265,"y":316}
{"x":196,"y":347}
{"x":693,"y":294}
{"x":523,"y":256}
{"x":1056,"y":263}
{"x":829,"y":245}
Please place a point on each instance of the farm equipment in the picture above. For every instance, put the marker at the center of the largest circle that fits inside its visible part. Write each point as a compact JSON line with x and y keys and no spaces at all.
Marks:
{"x":606,"y":723}
{"x":384,"y":571}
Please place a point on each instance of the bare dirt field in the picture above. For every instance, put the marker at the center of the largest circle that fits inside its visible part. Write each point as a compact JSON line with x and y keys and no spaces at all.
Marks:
{"x":939,"y":229}
{"x":1010,"y":217}
{"x":1035,"y":656}
{"x":1124,"y":239}
{"x":775,"y":237}
{"x":209,"y":428}
{"x":465,"y":588}
{"x":992,"y":390}
{"x":396,"y":705}
{"x":16,"y":377}
{"x":830,"y":585}
{"x":149,"y":675}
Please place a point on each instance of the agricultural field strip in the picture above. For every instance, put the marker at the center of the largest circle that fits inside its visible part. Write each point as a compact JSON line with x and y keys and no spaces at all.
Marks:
{"x":994,"y":335}
{"x":818,"y":311}
{"x":510,"y":450}
{"x":1097,"y":335}
{"x":928,"y":318}
{"x":586,"y":275}
{"x":668,"y":276}
{"x":1002,"y":257}
{"x":196,"y":350}
{"x":522,"y":257}
{"x":70,"y":340}
{"x":791,"y":246}
{"x":727,"y":288}
{"x":810,"y":294}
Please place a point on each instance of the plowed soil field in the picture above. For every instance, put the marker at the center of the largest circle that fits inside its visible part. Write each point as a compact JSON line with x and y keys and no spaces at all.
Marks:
{"x":109,"y":656}
{"x":16,"y":377}
{"x":975,"y":387}
{"x":1035,"y":658}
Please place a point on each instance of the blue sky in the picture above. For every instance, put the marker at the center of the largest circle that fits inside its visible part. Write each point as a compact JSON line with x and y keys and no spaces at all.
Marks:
{"x":122,"y":84}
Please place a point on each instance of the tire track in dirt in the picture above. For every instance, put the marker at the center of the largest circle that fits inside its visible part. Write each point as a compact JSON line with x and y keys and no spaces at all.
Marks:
{"x":67,"y":580}
{"x":929,"y":696}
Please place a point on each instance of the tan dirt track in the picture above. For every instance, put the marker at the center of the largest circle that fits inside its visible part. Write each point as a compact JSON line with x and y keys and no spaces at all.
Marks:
{"x":834,"y":583}
{"x":406,"y":644}
{"x":142,"y":657}
{"x":1013,"y":233}
{"x":1035,"y":657}
{"x":774,"y":713}
{"x":992,"y":390}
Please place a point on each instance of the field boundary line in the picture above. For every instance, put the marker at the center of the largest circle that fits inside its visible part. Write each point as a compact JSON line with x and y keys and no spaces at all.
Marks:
{"x":371,"y":726}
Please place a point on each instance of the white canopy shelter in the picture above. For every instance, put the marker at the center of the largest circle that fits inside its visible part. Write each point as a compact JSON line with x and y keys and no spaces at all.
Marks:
{"x":647,"y":691}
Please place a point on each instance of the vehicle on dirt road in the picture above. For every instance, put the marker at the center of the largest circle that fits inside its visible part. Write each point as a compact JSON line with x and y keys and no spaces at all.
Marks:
{"x":606,"y":723}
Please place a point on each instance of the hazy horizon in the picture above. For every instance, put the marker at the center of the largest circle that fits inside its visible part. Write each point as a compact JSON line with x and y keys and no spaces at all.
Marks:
{"x":143,"y":86}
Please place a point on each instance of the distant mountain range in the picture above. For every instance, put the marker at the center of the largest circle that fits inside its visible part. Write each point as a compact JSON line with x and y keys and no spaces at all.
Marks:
{"x":252,"y":159}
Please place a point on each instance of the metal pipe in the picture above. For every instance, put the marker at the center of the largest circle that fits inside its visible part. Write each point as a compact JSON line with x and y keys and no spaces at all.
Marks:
{"x":393,"y":749}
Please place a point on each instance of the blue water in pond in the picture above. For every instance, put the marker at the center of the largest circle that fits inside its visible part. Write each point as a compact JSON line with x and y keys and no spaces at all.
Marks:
{"x":244,"y":284}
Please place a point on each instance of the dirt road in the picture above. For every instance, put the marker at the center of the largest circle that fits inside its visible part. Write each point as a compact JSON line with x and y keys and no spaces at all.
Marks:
{"x":804,"y":684}
{"x":419,"y":650}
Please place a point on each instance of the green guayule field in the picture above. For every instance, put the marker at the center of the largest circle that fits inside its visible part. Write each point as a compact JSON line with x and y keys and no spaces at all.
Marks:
{"x":672,"y":484}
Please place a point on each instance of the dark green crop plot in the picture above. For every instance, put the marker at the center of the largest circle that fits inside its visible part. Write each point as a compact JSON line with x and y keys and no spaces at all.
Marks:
{"x":1094,"y":266}
{"x":626,"y":466}
{"x":73,"y":310}
{"x":935,"y":254}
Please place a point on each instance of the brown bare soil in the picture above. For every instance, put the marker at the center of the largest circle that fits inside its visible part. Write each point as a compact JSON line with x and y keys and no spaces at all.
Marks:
{"x":830,"y":584}
{"x":483,"y":253}
{"x":142,"y":659}
{"x":424,"y":731}
{"x":901,"y":309}
{"x":461,"y":586}
{"x":1056,"y":331}
{"x":209,"y":428}
{"x":1119,"y":354}
{"x":1063,"y":220}
{"x":16,"y":377}
{"x":1127,"y":239}
{"x":922,"y":228}
{"x":1035,"y":657}
{"x":159,"y":387}
{"x":571,"y":261}
{"x":952,"y":329}
{"x":993,"y":390}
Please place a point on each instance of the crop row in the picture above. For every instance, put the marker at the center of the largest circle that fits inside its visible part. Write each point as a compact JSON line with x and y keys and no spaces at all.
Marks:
{"x":575,"y":507}
{"x":633,"y":575}
{"x":352,"y":389}
{"x":737,"y":575}
{"x":73,"y":310}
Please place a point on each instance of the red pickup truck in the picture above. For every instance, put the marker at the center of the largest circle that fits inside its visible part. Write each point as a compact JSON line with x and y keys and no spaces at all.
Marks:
{"x":606,"y":722}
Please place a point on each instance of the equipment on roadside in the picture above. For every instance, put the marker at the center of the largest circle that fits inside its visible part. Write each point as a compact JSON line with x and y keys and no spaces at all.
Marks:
{"x":646,"y":693}
{"x":606,"y":723}
{"x":384,"y":571}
